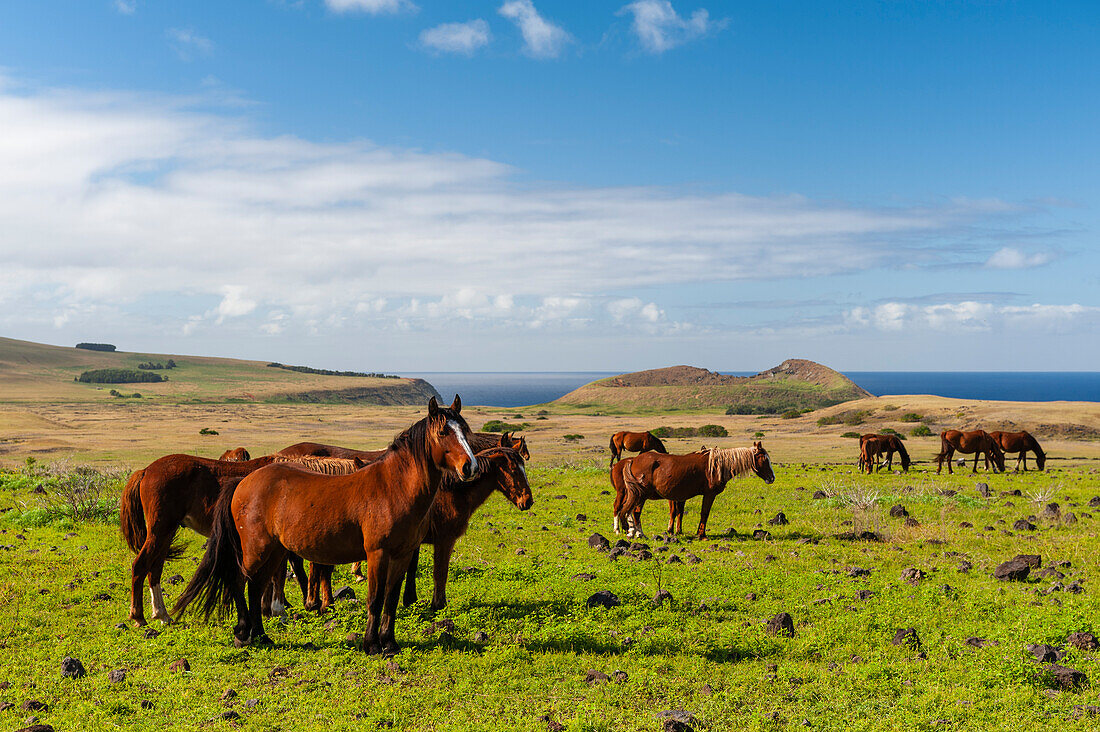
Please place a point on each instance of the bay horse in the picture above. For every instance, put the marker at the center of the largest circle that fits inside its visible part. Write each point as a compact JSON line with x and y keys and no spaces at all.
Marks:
{"x":978,"y":442}
{"x":1021,"y":442}
{"x":501,"y":469}
{"x":236,"y":455}
{"x":182,"y":490}
{"x":486,"y":440}
{"x":680,"y":477}
{"x":878,"y":445}
{"x":378,"y":514}
{"x":316,"y":449}
{"x":634,"y":442}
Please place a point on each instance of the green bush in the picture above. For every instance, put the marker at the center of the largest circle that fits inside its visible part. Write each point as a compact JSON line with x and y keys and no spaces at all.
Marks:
{"x":758,"y":434}
{"x":889,"y":431}
{"x":713,"y":430}
{"x":96,"y":346}
{"x":119,"y":376}
{"x":920,"y":431}
{"x":207,"y":431}
{"x":572,"y":437}
{"x":826,"y":421}
{"x":495,"y":425}
{"x":852,"y":434}
{"x":791,"y":414}
{"x":910,"y":417}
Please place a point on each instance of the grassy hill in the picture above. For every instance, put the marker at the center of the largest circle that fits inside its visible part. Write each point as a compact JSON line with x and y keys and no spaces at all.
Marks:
{"x":794,"y":384}
{"x":34,"y":372}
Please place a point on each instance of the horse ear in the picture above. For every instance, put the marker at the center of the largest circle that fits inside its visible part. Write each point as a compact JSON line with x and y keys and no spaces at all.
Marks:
{"x":503,"y":441}
{"x":433,"y":407}
{"x":357,"y":462}
{"x":457,"y":404}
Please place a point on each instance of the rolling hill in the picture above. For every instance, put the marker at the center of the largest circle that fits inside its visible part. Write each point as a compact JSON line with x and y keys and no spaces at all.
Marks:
{"x":794,"y":384}
{"x":34,"y":372}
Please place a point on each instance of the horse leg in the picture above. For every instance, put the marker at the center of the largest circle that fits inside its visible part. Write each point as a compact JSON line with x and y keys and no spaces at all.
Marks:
{"x":680,"y":516}
{"x":704,"y":513}
{"x":409,"y":597}
{"x":378,"y":568}
{"x":976,"y":455}
{"x":149,"y":562}
{"x":617,"y":507}
{"x":1022,"y":459}
{"x":389,"y":609}
{"x":671,"y":517}
{"x":300,"y":575}
{"x":441,"y":565}
{"x":357,"y":572}
{"x":312,"y":599}
{"x":325,"y":586}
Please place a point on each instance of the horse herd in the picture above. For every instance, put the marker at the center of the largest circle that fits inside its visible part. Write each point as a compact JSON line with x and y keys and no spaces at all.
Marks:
{"x":334,"y":505}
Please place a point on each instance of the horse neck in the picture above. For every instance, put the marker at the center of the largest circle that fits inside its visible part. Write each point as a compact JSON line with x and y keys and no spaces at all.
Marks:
{"x":458,"y":501}
{"x":244,"y":467}
{"x":423,"y":486}
{"x":1034,"y":445}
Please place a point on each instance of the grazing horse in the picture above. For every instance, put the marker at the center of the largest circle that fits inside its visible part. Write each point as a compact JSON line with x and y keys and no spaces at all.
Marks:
{"x":236,"y":455}
{"x":501,"y":469}
{"x":378,"y":514}
{"x":882,"y":444}
{"x":978,"y":442}
{"x":680,"y":477}
{"x":1021,"y":442}
{"x":634,"y":442}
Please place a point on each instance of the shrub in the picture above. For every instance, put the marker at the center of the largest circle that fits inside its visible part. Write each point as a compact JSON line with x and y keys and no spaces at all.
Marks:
{"x":791,"y":414}
{"x":150,"y":366}
{"x":758,"y":434}
{"x":890,"y":408}
{"x":573,"y":437}
{"x":96,"y":346}
{"x":910,"y":417}
{"x":751,"y":409}
{"x":713,"y":430}
{"x":920,"y":431}
{"x":495,"y":425}
{"x":207,"y":431}
{"x":826,"y":421}
{"x":170,"y":364}
{"x":118,"y":376}
{"x":852,"y":434}
{"x":328,"y":372}
{"x":888,"y":431}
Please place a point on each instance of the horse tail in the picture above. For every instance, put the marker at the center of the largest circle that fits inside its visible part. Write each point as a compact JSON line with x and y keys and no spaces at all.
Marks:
{"x":614,"y":452}
{"x":131,"y":514}
{"x":905,"y":462}
{"x":219,"y":573}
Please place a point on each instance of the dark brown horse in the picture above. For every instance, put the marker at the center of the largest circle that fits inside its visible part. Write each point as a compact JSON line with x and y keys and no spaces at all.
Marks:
{"x":978,"y":443}
{"x":378,"y":514}
{"x":878,"y":445}
{"x":634,"y":442}
{"x":486,"y":440}
{"x":680,"y":477}
{"x":501,"y":469}
{"x":236,"y":455}
{"x":1021,"y":442}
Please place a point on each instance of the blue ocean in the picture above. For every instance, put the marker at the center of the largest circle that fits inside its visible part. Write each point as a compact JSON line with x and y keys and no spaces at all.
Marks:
{"x":519,"y":389}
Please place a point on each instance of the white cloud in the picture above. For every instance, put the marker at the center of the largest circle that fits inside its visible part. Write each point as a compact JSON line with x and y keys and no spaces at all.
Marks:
{"x":114,"y":201}
{"x":968,"y":316}
{"x":463,"y":38}
{"x":371,"y":7}
{"x":1009,"y":258}
{"x":542,"y":39}
{"x":659,"y":27}
{"x":188,"y":44}
{"x":634,"y":309}
{"x":126,"y":7}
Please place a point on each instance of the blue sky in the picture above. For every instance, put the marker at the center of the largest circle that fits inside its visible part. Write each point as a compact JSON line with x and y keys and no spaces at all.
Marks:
{"x":536,"y":185}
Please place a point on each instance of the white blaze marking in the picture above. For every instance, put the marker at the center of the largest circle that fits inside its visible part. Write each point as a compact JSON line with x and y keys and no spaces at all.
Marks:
{"x":465,"y":445}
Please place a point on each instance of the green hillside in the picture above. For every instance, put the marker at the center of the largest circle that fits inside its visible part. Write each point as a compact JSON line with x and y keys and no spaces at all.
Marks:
{"x":794,"y":384}
{"x":34,"y":372}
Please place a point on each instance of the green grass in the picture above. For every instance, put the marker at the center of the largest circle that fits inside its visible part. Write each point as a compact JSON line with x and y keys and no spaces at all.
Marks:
{"x":706,"y":651}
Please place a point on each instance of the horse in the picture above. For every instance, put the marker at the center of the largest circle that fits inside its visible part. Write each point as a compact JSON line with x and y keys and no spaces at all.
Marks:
{"x":501,"y":469}
{"x":316,"y":449}
{"x":978,"y":442}
{"x":680,"y":477}
{"x":882,"y":444}
{"x":1021,"y":442}
{"x":236,"y":455}
{"x":486,"y":440}
{"x":378,"y":513}
{"x":182,"y":490}
{"x":618,"y":482}
{"x":634,"y":442}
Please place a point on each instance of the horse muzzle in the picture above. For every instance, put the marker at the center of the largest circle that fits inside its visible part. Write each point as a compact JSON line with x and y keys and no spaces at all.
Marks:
{"x":469,"y":470}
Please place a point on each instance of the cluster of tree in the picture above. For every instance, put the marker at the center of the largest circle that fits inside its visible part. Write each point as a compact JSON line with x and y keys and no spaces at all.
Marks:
{"x":96,"y":346}
{"x":328,"y":372}
{"x":118,"y":376}
{"x":151,"y":366}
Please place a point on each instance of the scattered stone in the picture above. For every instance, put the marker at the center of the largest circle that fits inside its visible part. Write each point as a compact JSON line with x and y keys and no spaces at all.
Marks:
{"x":864,"y":595}
{"x":761,"y":535}
{"x":965,"y":525}
{"x":551,"y":725}
{"x":353,"y":640}
{"x":674,"y":559}
{"x":33,"y":705}
{"x":603,"y":598}
{"x":35,"y":727}
{"x":1032,"y":560}
{"x":581,"y":517}
{"x":1024,"y":525}
{"x":252,"y":703}
{"x":594,"y":677}
{"x":175,"y":579}
{"x":948,"y":493}
{"x":911,"y":522}
{"x":146,"y":704}
{"x":228,"y":694}
{"x":983,"y":489}
{"x":117,"y":676}
{"x":1014,"y":570}
{"x":977,"y":642}
{"x":819,"y":495}
{"x":1075,"y":587}
{"x":691,"y":558}
{"x":1012,"y":493}
{"x":1069,"y":518}
{"x":898,"y":511}
{"x":1051,"y":512}
{"x":1044,"y":653}
{"x":644,"y":555}
{"x":279,"y":672}
{"x":1084,"y":640}
{"x":72,"y":668}
{"x":912,"y":575}
{"x":781,"y":624}
{"x":151,"y":633}
{"x":344,"y":593}
{"x":677,"y":720}
{"x":615,"y":553}
{"x":751,"y":597}
{"x":780,"y":519}
{"x":907,"y":637}
{"x":661,"y":596}
{"x":965,"y":566}
{"x":619,"y":677}
{"x":858,"y":572}
{"x":622,"y":544}
{"x":180,"y":665}
{"x":228,"y":715}
{"x":1067,"y":678}
{"x":520,"y":552}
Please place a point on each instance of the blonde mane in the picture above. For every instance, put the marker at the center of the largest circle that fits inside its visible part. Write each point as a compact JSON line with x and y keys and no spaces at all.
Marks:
{"x":725,"y":464}
{"x":324,"y":465}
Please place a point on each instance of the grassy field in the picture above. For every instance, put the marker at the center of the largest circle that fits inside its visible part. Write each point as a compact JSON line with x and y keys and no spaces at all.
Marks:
{"x":523,"y":579}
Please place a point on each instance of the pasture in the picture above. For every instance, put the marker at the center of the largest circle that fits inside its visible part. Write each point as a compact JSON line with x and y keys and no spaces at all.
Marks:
{"x":515,"y":647}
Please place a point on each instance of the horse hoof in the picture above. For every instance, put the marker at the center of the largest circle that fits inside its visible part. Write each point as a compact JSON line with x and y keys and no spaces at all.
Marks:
{"x":390,"y":650}
{"x":262,"y":641}
{"x":238,"y":643}
{"x":139,"y":622}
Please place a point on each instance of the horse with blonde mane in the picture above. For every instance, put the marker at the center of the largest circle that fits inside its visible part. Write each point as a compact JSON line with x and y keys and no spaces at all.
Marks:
{"x":680,"y":477}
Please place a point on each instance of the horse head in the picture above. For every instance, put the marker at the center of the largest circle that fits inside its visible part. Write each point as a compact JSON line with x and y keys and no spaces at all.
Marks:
{"x":762,"y":464}
{"x":653,"y":442}
{"x":998,"y":455}
{"x":448,"y":439}
{"x":511,"y":476}
{"x":508,"y":439}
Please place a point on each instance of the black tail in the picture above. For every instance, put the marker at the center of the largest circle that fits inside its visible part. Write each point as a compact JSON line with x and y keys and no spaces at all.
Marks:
{"x":219,"y":576}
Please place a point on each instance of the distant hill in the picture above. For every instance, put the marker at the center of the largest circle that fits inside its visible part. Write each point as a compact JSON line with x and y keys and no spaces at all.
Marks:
{"x":794,"y":384}
{"x":34,"y":372}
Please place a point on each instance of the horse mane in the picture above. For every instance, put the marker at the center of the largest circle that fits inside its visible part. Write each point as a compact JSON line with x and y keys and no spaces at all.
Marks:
{"x":488,"y":455}
{"x":325,"y":465}
{"x":1034,"y":445}
{"x":414,"y":440}
{"x":900,"y":447}
{"x":723,"y":464}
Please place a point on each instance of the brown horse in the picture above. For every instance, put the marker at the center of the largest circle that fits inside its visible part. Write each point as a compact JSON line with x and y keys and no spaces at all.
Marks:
{"x":618,"y":482}
{"x":378,"y":514}
{"x":634,"y":442}
{"x":486,"y":440}
{"x":877,"y":445}
{"x":236,"y":455}
{"x":680,"y":477}
{"x":501,"y":469}
{"x":1021,"y":442}
{"x":978,"y":442}
{"x":316,"y":449}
